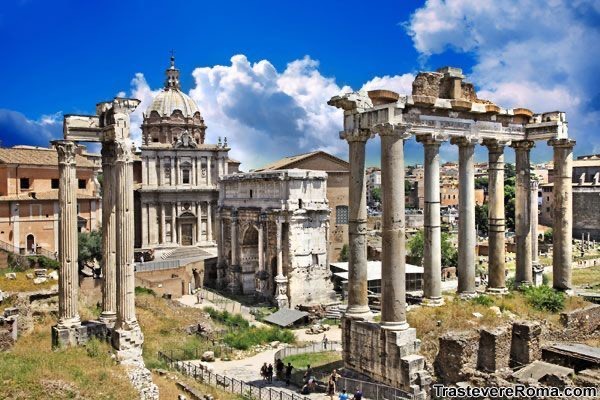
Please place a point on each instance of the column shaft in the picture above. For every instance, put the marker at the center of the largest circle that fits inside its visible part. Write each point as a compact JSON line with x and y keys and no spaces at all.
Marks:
{"x":523,"y":274}
{"x":358,"y":303}
{"x":562,"y":229}
{"x":173,"y":223}
{"x":68,"y":283}
{"x":432,"y":249}
{"x":496,"y":218}
{"x":209,"y":235}
{"x":393,"y":249}
{"x":109,"y":272}
{"x":208,"y":171}
{"x":534,"y":185}
{"x":198,"y":221}
{"x":163,"y":224}
{"x":466,"y":217}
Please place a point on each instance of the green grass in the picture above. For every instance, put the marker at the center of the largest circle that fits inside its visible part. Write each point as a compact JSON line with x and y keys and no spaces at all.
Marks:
{"x":545,"y":298}
{"x":22,"y":284}
{"x":244,"y":338}
{"x":315,"y":360}
{"x":589,"y":277}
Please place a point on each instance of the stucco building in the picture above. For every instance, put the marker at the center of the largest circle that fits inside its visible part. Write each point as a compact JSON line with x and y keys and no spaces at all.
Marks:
{"x":273,"y":236}
{"x":176,"y":200}
{"x":29,"y":209}
{"x":338,"y":173}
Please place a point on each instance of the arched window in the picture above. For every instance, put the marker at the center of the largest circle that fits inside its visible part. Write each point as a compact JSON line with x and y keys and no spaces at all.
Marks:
{"x":341,"y":215}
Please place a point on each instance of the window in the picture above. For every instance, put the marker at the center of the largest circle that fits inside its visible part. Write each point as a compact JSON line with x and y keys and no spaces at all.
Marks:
{"x":186,"y":176}
{"x":55,"y":183}
{"x":251,"y":193}
{"x":81,"y":183}
{"x":341,"y":215}
{"x":24,"y":183}
{"x":168,"y":173}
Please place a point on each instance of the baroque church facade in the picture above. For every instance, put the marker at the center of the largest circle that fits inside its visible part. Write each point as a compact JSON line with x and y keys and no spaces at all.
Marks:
{"x":178,"y":194}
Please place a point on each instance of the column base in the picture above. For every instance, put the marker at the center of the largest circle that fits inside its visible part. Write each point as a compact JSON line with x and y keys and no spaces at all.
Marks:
{"x":359,"y":312}
{"x":128,"y":344}
{"x":68,"y":337}
{"x":108,"y":318}
{"x":496,"y":291}
{"x":523,"y":285}
{"x":395,"y":326}
{"x":467,"y":295}
{"x":66,"y":323}
{"x":433,"y":301}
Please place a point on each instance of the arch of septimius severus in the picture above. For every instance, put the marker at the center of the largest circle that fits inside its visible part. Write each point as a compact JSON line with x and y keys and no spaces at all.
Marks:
{"x":442,"y":107}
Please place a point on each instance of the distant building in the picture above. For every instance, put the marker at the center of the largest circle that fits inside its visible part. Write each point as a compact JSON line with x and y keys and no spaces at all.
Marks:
{"x":373,"y":181}
{"x":338,"y":178}
{"x":586,"y":198}
{"x":29,"y":210}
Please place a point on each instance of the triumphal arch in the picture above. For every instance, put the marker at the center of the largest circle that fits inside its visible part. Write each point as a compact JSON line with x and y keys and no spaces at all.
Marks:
{"x":442,"y":107}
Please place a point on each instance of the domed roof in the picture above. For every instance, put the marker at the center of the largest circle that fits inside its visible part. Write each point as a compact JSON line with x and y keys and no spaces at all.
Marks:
{"x":171,"y":98}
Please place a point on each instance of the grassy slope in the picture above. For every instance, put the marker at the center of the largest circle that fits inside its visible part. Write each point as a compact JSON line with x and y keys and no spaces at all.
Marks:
{"x":22,"y":284}
{"x":315,"y":360}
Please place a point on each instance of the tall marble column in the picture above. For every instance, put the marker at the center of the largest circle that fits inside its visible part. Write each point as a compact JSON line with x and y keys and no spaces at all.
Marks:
{"x":68,"y":283}
{"x":496,"y":218}
{"x":432,"y":249}
{"x":523,"y":274}
{"x":163,"y":223}
{"x":358,"y":303}
{"x":534,"y":185}
{"x":235,"y":285}
{"x":145,"y":229}
{"x":467,"y":240}
{"x":174,"y":223}
{"x":109,"y":272}
{"x":393,"y":229}
{"x":209,"y":235}
{"x":208,"y":171}
{"x":280,"y":280}
{"x":261,"y":256}
{"x":220,"y":250}
{"x":562,"y":228}
{"x":198,"y":222}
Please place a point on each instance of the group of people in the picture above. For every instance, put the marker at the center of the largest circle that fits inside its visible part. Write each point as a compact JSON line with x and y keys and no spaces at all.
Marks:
{"x":332,"y":389}
{"x":266,"y":371}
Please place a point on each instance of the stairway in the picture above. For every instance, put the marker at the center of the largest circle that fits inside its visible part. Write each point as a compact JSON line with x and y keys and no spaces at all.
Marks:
{"x":185,"y":252}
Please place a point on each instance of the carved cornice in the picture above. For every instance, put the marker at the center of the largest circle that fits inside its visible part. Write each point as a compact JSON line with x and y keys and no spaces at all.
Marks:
{"x":567,"y":143}
{"x":523,"y":145}
{"x":66,"y":150}
{"x":356,"y":135}
{"x":123,"y":151}
{"x":465,"y":141}
{"x":397,"y":130}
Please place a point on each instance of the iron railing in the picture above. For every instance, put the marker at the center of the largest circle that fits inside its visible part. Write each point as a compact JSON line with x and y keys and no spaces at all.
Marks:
{"x":164,"y":264}
{"x":228,"y":384}
{"x":39,"y":251}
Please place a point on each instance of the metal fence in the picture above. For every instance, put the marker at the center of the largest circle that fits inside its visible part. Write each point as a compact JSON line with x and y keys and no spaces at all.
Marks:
{"x":227,"y":304}
{"x":228,"y":384}
{"x":312,"y":348}
{"x":22,"y":252}
{"x":164,"y":264}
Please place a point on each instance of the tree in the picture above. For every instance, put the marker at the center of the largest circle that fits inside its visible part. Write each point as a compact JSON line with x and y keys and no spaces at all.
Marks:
{"x":376,"y":194}
{"x":343,"y":257}
{"x":481,"y":218}
{"x":509,"y":202}
{"x":481,"y":182}
{"x":408,"y":186}
{"x":90,"y":246}
{"x":416,"y":246}
{"x":548,"y":236}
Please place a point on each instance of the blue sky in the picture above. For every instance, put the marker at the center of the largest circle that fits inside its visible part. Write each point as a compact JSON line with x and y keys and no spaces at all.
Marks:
{"x":262,"y":71}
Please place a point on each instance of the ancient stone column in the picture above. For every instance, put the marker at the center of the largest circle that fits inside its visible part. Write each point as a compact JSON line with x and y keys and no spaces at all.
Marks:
{"x":235,"y":285}
{"x":432,"y":251}
{"x":198,"y":221}
{"x":496,"y":218}
{"x":261,"y":255}
{"x":163,"y":224}
{"x":280,"y":280}
{"x":209,"y":235}
{"x":208,"y":171}
{"x":358,"y":303}
{"x":467,"y":240}
{"x":562,"y":229}
{"x":109,"y":272}
{"x":534,"y":185}
{"x":393,"y":230}
{"x":173,"y":223}
{"x":145,"y":229}
{"x":68,"y":283}
{"x":523,"y":274}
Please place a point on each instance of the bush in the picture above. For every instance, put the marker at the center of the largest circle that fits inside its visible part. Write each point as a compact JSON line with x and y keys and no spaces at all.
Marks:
{"x":48,"y":263}
{"x":243,"y":339}
{"x":344,"y":254}
{"x":510,"y":283}
{"x":143,"y":290}
{"x":483,"y":300}
{"x":227,"y":319}
{"x":545,"y":298}
{"x":92,"y":348}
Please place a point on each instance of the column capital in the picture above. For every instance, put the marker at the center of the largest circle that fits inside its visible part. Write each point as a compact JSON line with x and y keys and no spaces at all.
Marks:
{"x":123,"y":151}
{"x":464,"y":141}
{"x":495,"y":144}
{"x":401,"y":131}
{"x":356,"y":135}
{"x":66,"y":150}
{"x":432,"y":139}
{"x":568,"y":143}
{"x":523,"y":145}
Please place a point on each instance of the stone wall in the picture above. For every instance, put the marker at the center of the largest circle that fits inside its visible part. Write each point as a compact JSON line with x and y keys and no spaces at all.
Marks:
{"x":457,"y":357}
{"x":586,"y":200}
{"x":585,"y":320}
{"x":525,"y":343}
{"x":494,"y":349}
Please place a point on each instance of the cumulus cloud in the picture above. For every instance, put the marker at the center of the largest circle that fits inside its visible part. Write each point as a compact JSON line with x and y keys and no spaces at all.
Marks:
{"x":16,"y":128}
{"x":541,"y":56}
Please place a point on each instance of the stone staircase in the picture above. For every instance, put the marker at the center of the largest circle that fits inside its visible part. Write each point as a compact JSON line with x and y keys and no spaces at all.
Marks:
{"x":335,"y":312}
{"x":185,"y":252}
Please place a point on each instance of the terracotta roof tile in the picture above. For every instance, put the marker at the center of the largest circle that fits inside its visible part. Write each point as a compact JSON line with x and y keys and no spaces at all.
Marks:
{"x":38,"y":156}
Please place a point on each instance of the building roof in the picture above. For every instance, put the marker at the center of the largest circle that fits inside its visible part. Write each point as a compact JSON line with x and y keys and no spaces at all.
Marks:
{"x":38,"y":156}
{"x":285,"y":317}
{"x":51,"y":195}
{"x":373,"y":270}
{"x":288,"y":162}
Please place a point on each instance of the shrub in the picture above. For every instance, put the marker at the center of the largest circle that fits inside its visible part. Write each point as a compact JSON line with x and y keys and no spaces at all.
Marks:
{"x":545,"y":279}
{"x":483,"y":300}
{"x":92,"y":348}
{"x":544,"y":298}
{"x":227,"y":319}
{"x":48,"y":263}
{"x":243,"y":339}
{"x":143,"y":290}
{"x":510,"y":283}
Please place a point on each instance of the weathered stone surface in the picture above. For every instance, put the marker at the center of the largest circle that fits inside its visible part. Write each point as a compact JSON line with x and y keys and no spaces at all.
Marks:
{"x":208,"y":356}
{"x":494,"y":349}
{"x":456,"y":359}
{"x":539,"y":369}
{"x":525,"y":343}
{"x":10,"y":275}
{"x":585,"y":319}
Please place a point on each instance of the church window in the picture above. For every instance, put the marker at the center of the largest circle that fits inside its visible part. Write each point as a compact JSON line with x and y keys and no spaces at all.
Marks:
{"x":341,"y":215}
{"x":186,"y":176}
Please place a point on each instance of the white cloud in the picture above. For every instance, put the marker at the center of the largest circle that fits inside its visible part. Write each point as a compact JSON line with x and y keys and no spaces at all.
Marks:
{"x":139,"y":90}
{"x":543,"y":56}
{"x":401,"y":84}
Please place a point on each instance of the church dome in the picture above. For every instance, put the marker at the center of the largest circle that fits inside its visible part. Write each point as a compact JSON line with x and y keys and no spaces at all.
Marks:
{"x":171,"y":98}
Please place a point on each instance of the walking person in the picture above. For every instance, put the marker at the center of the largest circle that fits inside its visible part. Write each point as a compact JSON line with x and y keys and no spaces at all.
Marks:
{"x":263,"y":371}
{"x":288,"y":374}
{"x":343,"y":395}
{"x":270,"y":373}
{"x":358,"y":394}
{"x":330,"y":388}
{"x":279,"y":366}
{"x":325,"y":341}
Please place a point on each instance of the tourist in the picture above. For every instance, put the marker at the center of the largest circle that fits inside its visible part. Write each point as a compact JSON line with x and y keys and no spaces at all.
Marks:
{"x":325,"y":341}
{"x":334,"y":375}
{"x":264,"y":371}
{"x":288,"y":374}
{"x":270,"y":373}
{"x":343,"y":395}
{"x":331,"y":388}
{"x":279,"y":366}
{"x":199,"y":296}
{"x":358,"y":394}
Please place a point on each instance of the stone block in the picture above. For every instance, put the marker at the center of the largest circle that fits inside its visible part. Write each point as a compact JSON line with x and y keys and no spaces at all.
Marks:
{"x":128,"y":344}
{"x":457,"y":356}
{"x":494,"y":349}
{"x":525,"y":343}
{"x":40,"y":272}
{"x":69,"y":337}
{"x":10,"y":275}
{"x":584,"y":320}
